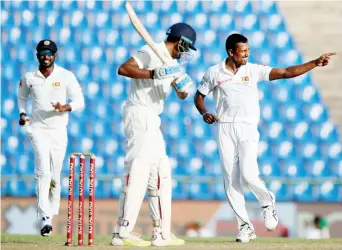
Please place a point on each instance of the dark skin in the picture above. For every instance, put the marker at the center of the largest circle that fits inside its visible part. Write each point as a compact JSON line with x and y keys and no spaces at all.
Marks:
{"x":46,"y":65}
{"x":238,"y":57}
{"x":131,"y":69}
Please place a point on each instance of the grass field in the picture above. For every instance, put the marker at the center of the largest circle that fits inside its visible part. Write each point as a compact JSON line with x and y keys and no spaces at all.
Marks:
{"x":33,"y":242}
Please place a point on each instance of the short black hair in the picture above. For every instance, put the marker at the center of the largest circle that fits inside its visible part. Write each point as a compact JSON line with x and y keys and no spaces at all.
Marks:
{"x":317,"y":219}
{"x":233,"y":40}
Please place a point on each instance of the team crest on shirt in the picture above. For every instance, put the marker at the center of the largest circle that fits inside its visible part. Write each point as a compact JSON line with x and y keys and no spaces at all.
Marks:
{"x":56,"y":84}
{"x":245,"y":78}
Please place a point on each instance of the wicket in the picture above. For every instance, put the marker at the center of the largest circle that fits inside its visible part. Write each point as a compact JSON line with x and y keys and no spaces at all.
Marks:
{"x":81,"y":199}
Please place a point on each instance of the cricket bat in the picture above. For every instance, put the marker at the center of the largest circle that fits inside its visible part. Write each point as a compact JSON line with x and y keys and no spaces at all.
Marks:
{"x":139,"y":27}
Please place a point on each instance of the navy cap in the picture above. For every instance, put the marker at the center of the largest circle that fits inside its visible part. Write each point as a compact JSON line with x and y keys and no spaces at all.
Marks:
{"x":47,"y":44}
{"x":184,"y":31}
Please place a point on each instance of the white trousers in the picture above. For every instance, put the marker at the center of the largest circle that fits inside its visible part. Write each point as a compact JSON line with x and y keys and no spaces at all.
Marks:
{"x":238,"y":147}
{"x":145,"y":164}
{"x":49,"y":146}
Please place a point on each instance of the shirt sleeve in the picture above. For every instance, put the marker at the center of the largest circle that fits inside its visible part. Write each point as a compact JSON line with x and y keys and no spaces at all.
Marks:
{"x":23,"y":95}
{"x":143,"y":57}
{"x":263,"y":72}
{"x":75,"y":93}
{"x":207,"y":84}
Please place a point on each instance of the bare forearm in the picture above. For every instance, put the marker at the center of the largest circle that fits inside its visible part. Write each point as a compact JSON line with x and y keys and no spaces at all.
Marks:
{"x":298,"y":70}
{"x":199,"y":103}
{"x":133,"y":71}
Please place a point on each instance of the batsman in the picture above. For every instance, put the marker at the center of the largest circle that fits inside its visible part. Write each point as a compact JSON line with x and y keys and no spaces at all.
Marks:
{"x":147,"y":166}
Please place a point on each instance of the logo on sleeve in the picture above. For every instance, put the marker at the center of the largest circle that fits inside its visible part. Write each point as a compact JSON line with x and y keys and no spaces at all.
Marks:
{"x":245,"y":78}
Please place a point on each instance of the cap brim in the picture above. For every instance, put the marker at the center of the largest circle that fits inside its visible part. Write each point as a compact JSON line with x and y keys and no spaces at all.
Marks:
{"x":192,"y":47}
{"x":47,"y":48}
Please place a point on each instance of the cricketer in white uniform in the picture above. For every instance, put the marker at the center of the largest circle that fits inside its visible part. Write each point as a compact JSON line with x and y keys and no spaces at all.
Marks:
{"x":233,"y":83}
{"x":147,"y":166}
{"x":50,"y":87}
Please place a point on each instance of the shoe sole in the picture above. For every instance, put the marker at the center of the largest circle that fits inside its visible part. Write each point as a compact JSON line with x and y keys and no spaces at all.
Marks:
{"x":46,"y":231}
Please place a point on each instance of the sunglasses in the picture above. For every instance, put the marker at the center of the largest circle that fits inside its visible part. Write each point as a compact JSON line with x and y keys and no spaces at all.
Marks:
{"x":45,"y":52}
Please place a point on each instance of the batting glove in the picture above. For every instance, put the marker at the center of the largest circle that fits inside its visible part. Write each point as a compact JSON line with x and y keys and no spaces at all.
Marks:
{"x":183,"y":83}
{"x":166,"y":72}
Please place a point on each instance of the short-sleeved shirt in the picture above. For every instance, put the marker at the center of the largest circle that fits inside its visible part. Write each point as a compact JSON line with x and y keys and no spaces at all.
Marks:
{"x":150,"y":93}
{"x":236,"y":95}
{"x":59,"y":86}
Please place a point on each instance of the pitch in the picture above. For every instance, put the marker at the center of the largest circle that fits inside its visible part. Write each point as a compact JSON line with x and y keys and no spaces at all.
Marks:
{"x":34,"y":242}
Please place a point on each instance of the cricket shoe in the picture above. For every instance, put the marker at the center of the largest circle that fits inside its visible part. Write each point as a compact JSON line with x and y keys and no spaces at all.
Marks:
{"x":158,"y":241}
{"x":246,"y":234}
{"x":133,"y":239}
{"x":270,"y":217}
{"x":46,"y":227}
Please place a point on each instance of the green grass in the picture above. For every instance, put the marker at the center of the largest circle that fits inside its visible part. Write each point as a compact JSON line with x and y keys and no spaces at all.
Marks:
{"x":36,"y":242}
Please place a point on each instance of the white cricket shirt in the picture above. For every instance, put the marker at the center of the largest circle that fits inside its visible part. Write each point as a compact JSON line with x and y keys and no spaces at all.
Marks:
{"x":150,"y":93}
{"x":59,"y":86}
{"x":236,"y":95}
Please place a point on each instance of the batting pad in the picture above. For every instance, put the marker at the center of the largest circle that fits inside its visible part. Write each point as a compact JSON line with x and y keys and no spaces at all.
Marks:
{"x":134,"y":188}
{"x":160,"y":198}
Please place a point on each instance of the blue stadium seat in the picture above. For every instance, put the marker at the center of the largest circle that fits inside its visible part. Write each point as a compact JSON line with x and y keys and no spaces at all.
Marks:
{"x":280,"y":190}
{"x":273,"y":22}
{"x":307,"y":150}
{"x":179,"y":191}
{"x":316,"y":167}
{"x":199,"y":191}
{"x":115,"y":189}
{"x":329,"y":192}
{"x":335,"y":167}
{"x":291,"y":168}
{"x":304,"y":192}
{"x":273,"y":131}
{"x":268,"y":168}
{"x":265,"y":7}
{"x":306,"y":94}
{"x":324,"y":131}
{"x":268,"y":112}
{"x":219,"y":192}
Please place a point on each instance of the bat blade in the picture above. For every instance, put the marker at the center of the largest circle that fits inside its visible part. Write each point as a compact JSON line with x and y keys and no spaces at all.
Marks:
{"x":139,"y":27}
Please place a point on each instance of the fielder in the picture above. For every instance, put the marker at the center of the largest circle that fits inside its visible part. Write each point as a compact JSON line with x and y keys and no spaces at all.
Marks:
{"x":146,"y":163}
{"x":50,"y":86}
{"x":234,"y":86}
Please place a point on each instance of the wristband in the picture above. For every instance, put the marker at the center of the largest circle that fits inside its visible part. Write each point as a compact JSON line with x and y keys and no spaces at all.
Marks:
{"x":205,"y":113}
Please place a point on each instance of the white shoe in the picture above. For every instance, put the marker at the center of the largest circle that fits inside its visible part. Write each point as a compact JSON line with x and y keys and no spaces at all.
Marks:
{"x":132,"y":240}
{"x":158,"y":241}
{"x":46,"y":227}
{"x":270,"y":217}
{"x":246,"y":234}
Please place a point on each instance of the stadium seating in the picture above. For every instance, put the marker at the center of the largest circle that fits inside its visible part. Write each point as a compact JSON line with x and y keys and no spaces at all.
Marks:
{"x":297,"y":139}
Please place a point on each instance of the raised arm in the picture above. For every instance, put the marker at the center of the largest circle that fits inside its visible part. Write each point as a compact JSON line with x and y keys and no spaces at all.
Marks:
{"x":293,"y":71}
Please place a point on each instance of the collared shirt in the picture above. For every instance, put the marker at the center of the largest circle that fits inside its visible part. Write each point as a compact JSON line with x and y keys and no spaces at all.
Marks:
{"x":150,"y":93}
{"x":236,"y":95}
{"x":59,"y":86}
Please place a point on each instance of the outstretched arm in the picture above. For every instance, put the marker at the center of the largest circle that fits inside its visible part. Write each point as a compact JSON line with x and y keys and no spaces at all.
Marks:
{"x":293,"y":71}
